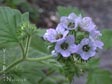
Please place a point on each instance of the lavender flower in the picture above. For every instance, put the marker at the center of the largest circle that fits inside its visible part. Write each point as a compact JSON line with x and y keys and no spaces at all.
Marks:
{"x":70,"y":22}
{"x":87,"y":24}
{"x":66,"y":46}
{"x":53,"y":35}
{"x":94,"y":36}
{"x":65,"y":43}
{"x":86,"y":49}
{"x":99,"y":44}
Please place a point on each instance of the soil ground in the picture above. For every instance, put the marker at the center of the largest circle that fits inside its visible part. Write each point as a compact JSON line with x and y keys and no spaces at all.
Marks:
{"x":99,"y":10}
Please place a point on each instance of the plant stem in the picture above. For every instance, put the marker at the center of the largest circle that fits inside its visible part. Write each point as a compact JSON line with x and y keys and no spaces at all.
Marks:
{"x":24,"y":54}
{"x":22,"y":49}
{"x":28,"y":41}
{"x":12,"y":65}
{"x":39,"y":59}
{"x":27,"y":59}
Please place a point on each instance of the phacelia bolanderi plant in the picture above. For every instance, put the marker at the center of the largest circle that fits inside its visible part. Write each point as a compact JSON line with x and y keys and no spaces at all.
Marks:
{"x":74,"y":36}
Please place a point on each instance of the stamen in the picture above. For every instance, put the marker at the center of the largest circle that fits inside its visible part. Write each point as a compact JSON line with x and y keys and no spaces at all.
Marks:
{"x":86,"y":48}
{"x":59,"y":36}
{"x":64,"y":46}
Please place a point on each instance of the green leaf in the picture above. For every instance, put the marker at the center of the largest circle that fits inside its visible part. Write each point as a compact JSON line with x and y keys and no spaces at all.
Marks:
{"x":31,"y":71}
{"x":49,"y":80}
{"x":41,"y":32}
{"x":13,"y":3}
{"x":99,"y":76}
{"x":38,"y":43}
{"x":10,"y":22}
{"x":65,"y":11}
{"x":92,"y":64}
{"x":107,"y":38}
{"x":17,"y":2}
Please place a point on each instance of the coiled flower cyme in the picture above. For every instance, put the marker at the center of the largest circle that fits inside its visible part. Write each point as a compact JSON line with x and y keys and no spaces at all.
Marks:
{"x":74,"y":36}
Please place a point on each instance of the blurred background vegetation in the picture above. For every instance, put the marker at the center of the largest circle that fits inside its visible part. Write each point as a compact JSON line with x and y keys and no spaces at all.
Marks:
{"x":43,"y":12}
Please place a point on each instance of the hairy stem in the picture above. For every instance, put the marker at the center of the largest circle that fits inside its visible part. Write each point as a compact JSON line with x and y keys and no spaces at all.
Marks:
{"x":27,"y":59}
{"x":39,"y":59}
{"x":12,"y":65}
{"x":28,"y":41}
{"x":24,"y":55}
{"x":22,"y":48}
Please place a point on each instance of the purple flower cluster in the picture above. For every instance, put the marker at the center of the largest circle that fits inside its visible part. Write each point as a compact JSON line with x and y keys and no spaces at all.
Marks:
{"x":64,"y":37}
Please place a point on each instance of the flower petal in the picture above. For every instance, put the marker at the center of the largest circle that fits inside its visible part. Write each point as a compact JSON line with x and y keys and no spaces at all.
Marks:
{"x":72,"y":16}
{"x":70,"y":39}
{"x":85,"y":57}
{"x":50,"y":35}
{"x":85,"y":41}
{"x":73,"y":48}
{"x":92,"y":53}
{"x":87,"y":24}
{"x":99,"y":44}
{"x":58,"y":46}
{"x":63,"y":19}
{"x":65,"y":53}
{"x":60,"y":28}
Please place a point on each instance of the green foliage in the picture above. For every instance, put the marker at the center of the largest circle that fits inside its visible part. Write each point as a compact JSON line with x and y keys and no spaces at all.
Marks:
{"x":13,"y":3}
{"x":23,"y":6}
{"x":107,"y":38}
{"x":32,"y":72}
{"x":41,"y":32}
{"x":71,"y":70}
{"x":99,"y":76}
{"x":90,"y":65}
{"x":11,"y":26}
{"x":10,"y":21}
{"x":33,"y":10}
{"x":70,"y":67}
{"x":65,"y":11}
{"x":38,"y":44}
{"x":95,"y":74}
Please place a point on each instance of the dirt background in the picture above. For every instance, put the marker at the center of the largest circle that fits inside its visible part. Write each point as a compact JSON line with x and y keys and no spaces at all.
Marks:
{"x":99,"y":10}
